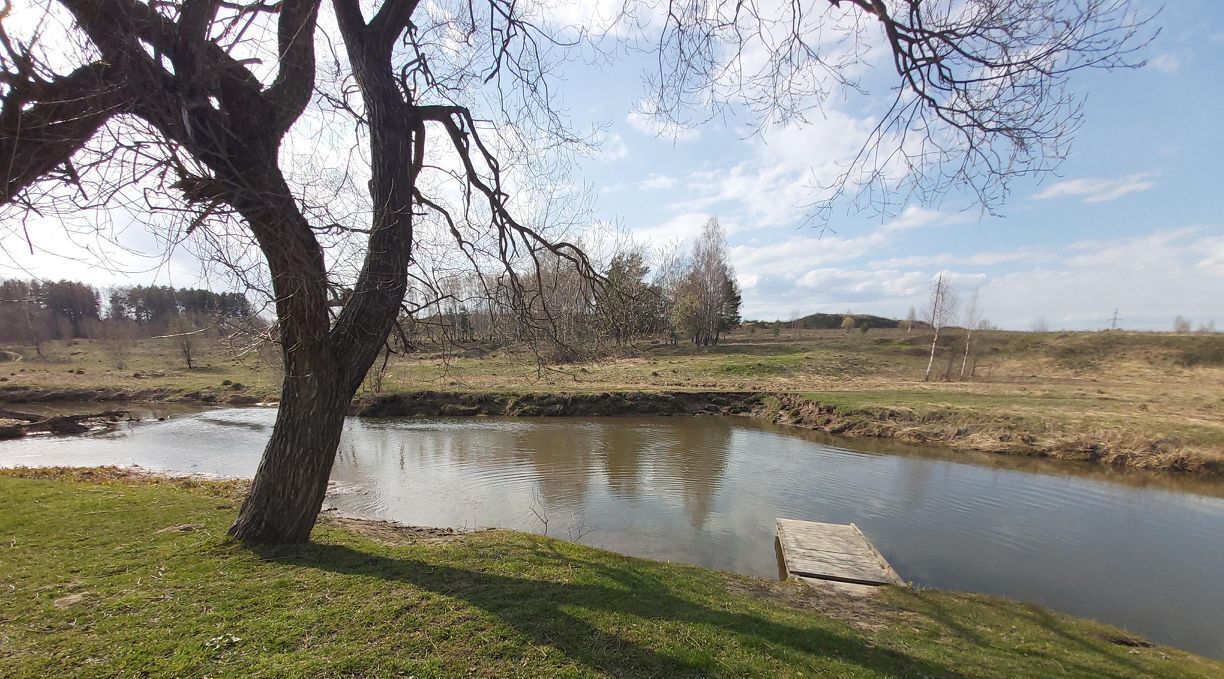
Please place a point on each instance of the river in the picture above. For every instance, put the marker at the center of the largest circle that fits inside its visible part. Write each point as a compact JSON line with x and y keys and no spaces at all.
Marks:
{"x":1142,"y":551}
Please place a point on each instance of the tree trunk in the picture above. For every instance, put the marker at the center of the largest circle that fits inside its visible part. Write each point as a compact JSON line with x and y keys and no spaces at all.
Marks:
{"x":287,"y":491}
{"x":33,"y":332}
{"x":931,"y":361}
{"x":291,"y":481}
{"x":965,"y":360}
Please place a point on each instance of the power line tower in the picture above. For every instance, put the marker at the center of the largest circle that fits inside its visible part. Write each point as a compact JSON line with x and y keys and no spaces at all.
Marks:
{"x":1113,"y":323}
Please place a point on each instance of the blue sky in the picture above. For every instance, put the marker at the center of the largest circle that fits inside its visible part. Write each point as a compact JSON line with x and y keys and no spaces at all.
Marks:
{"x":1132,"y":221}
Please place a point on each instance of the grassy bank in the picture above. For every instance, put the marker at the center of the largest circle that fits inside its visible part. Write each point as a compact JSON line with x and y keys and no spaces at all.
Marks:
{"x":107,"y":577}
{"x":1146,"y":400}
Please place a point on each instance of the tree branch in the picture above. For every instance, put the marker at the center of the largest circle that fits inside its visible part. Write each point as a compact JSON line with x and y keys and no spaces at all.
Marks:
{"x":66,"y":113}
{"x":291,"y":90}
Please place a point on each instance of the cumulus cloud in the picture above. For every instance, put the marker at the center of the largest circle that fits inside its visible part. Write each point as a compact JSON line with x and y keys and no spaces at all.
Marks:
{"x":1098,"y":190}
{"x":776,"y":183}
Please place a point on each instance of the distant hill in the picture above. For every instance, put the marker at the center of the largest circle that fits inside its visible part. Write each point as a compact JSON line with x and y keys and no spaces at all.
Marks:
{"x":834,"y":321}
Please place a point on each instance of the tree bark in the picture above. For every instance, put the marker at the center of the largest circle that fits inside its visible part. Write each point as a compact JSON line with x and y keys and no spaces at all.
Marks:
{"x":291,"y":482}
{"x":965,"y":360}
{"x":931,"y":361}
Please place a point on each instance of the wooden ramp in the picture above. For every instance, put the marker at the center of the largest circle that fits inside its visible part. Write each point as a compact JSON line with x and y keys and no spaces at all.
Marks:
{"x":832,"y":551}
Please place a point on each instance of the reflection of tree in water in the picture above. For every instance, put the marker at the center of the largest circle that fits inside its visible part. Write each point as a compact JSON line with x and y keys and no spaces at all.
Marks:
{"x":914,"y":482}
{"x":561,"y":454}
{"x":696,"y":459}
{"x":624,"y":447}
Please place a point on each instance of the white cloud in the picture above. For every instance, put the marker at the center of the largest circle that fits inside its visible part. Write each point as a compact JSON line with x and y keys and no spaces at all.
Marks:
{"x":599,"y":17}
{"x":656,"y":125}
{"x":97,"y":252}
{"x":777,"y":182}
{"x":649,"y":119}
{"x":657,"y":182}
{"x":1165,"y":63}
{"x":988,"y":258}
{"x":1149,"y":278}
{"x":915,"y":217}
{"x":682,"y":227}
{"x":793,"y":257}
{"x":858,"y":284}
{"x":1098,"y":190}
{"x":613,"y":148}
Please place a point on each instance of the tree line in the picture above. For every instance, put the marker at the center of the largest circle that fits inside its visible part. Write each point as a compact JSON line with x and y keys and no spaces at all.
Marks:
{"x":36,"y":311}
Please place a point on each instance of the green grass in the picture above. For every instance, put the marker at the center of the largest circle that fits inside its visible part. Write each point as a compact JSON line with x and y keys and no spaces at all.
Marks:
{"x":191,"y":603}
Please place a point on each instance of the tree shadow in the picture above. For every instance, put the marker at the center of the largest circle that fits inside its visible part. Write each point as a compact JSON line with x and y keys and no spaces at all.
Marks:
{"x":544,"y":611}
{"x":1048,"y":621}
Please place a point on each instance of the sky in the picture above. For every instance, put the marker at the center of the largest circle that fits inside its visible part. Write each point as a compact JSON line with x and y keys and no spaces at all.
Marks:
{"x":1131,"y":221}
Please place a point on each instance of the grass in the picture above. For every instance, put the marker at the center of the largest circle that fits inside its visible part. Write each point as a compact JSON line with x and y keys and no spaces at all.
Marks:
{"x":146,"y":366}
{"x":112,"y":577}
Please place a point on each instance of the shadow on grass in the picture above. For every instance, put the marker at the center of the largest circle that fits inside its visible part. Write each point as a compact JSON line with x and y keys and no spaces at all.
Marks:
{"x":550,"y":613}
{"x":1073,"y":640}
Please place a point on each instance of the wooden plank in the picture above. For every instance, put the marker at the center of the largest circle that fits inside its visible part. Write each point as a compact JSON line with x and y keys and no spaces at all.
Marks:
{"x":830,"y":551}
{"x":888,"y":569}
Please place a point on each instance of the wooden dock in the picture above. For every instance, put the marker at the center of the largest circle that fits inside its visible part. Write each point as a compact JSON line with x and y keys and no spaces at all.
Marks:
{"x":832,"y":551}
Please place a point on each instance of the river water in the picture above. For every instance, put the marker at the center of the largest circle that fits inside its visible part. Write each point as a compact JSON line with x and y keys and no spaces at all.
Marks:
{"x":1142,"y":551}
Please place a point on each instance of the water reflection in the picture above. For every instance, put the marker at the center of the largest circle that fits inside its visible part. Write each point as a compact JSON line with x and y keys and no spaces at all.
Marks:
{"x":1139,"y":550}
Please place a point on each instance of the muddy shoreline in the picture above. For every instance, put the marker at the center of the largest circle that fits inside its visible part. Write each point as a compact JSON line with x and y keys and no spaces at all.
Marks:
{"x":952,"y":429}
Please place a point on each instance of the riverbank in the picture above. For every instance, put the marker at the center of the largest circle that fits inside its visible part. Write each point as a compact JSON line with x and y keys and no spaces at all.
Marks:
{"x":106,"y":574}
{"x":837,"y":414}
{"x":1142,"y":400}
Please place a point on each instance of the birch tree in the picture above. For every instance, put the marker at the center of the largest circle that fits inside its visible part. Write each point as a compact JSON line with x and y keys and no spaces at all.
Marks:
{"x":941,"y":309}
{"x":973,"y":317}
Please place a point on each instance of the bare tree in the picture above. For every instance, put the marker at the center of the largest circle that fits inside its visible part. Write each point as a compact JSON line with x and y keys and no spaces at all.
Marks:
{"x":941,"y":309}
{"x":973,"y":317}
{"x":181,"y":96}
{"x":182,"y":108}
{"x":1182,"y":324}
{"x":982,"y":92}
{"x":911,"y":317}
